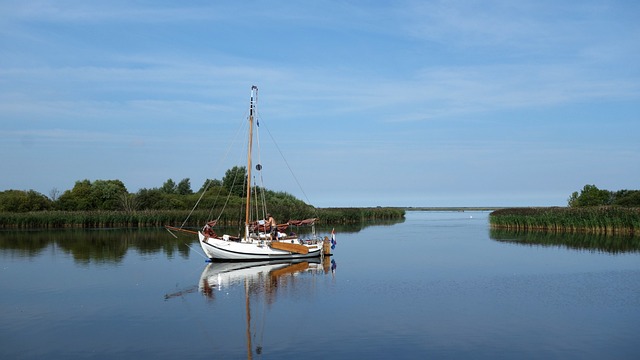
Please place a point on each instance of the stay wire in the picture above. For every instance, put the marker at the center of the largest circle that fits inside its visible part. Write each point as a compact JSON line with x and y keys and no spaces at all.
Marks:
{"x":259,"y":151}
{"x":290,"y":170}
{"x":208,"y":183}
{"x":239,"y":131}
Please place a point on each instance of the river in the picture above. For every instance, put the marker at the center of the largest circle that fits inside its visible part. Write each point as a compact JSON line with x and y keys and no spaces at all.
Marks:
{"x":437,"y":285}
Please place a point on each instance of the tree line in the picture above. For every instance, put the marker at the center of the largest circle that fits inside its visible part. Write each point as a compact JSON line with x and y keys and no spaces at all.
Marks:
{"x":112,"y":195}
{"x":590,"y":195}
{"x":107,"y":204}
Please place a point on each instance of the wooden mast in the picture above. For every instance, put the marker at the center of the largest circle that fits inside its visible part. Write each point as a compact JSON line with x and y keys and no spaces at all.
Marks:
{"x":254,"y":93}
{"x":248,"y":309}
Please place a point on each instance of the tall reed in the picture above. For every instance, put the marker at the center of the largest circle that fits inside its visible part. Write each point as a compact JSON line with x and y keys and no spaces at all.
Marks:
{"x":600,"y":220}
{"x":159,"y":218}
{"x":357,"y":215}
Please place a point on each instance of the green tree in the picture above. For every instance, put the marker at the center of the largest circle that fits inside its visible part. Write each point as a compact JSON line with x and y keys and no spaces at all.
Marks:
{"x":590,"y":195}
{"x":573,"y":199}
{"x":23,"y":201}
{"x":147,"y":198}
{"x":169,"y":202}
{"x":99,"y":195}
{"x":78,"y":198}
{"x":128,"y":202}
{"x":234,"y":180}
{"x":169,"y":187}
{"x":184,"y":187}
{"x":209,"y":183}
{"x":628,"y":198}
{"x":106,"y":194}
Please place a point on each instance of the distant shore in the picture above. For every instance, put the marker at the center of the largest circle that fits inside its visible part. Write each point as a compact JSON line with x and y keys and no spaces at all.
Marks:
{"x":453,"y":208}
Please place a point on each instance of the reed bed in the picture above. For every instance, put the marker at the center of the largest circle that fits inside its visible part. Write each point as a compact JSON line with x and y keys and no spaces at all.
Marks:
{"x":359,"y":215}
{"x":597,"y":220}
{"x":86,"y":219}
{"x":160,"y":218}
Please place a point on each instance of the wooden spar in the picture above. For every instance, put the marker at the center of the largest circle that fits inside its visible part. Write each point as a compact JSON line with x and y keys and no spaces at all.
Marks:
{"x":295,"y":248}
{"x":254,"y":90}
{"x":291,"y":269}
{"x":326,"y":247}
{"x":180,"y":229}
{"x":248,"y":309}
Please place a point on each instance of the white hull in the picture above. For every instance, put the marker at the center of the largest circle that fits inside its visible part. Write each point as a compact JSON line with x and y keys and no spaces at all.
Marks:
{"x":220,"y":249}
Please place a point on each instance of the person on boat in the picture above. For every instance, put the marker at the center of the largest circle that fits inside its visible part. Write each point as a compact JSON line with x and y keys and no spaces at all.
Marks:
{"x":273,"y":226}
{"x":207,"y":230}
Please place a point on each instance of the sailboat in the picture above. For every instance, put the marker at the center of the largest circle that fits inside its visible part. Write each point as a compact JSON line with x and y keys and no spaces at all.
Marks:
{"x":261,"y":240}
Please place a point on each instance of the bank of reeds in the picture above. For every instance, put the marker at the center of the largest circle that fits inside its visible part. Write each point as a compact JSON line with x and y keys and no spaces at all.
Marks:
{"x":94,"y":219}
{"x":159,"y":218}
{"x":598,"y":220}
{"x":358,"y":215}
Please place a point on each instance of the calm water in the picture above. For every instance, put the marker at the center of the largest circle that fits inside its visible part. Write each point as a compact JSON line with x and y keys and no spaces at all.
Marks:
{"x":438,"y":285}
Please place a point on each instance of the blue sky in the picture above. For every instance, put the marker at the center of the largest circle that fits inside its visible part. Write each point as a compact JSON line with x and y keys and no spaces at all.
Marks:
{"x":372,"y":103}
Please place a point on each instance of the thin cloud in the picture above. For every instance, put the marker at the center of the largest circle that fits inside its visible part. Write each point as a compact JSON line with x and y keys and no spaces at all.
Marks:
{"x":427,"y":91}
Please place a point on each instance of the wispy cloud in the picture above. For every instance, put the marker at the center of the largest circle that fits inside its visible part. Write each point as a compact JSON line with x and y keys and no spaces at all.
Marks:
{"x":113,"y":11}
{"x":421,"y":87}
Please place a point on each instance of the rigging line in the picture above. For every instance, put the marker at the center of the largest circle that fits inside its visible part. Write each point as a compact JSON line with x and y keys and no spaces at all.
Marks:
{"x":259,"y":151}
{"x":208,"y":183}
{"x":198,"y":252}
{"x":172,"y":234}
{"x":239,"y":131}
{"x":241,"y":204}
{"x":233,"y":185}
{"x":289,"y":167}
{"x":215,"y":202}
{"x":255,"y":199}
{"x":264,"y":202}
{"x":228,"y":197}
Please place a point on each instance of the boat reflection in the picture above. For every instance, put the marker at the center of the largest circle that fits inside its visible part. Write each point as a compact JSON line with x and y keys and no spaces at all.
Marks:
{"x":262,"y":276}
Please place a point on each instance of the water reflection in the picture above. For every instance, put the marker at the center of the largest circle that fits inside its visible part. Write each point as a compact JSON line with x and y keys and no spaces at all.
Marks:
{"x":101,"y":246}
{"x":262,"y":283}
{"x":111,"y":245}
{"x":612,"y":244}
{"x":264,"y":277}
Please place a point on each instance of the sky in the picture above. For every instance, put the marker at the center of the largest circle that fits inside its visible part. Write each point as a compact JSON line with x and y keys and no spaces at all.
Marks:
{"x":370,"y":103}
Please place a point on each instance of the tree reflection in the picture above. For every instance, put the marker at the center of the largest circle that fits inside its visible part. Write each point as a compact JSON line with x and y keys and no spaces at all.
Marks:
{"x":111,"y":245}
{"x":99,"y":246}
